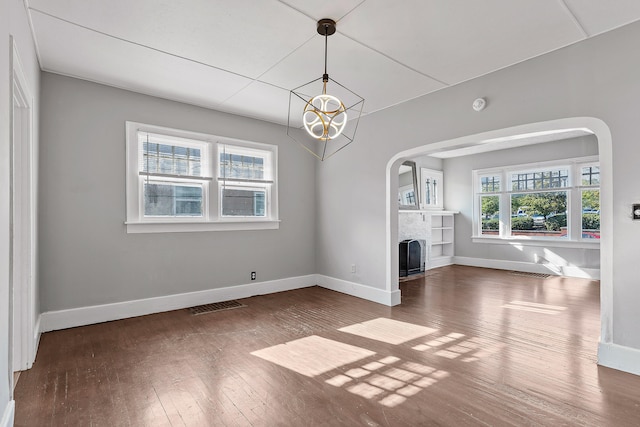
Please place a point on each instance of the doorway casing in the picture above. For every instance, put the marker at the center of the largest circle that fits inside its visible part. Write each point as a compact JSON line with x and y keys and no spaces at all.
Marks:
{"x":25,"y":334}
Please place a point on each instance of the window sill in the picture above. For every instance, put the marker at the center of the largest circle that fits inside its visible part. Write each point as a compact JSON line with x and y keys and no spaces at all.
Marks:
{"x":433,"y":211}
{"x":582,"y":244}
{"x":188,"y":227}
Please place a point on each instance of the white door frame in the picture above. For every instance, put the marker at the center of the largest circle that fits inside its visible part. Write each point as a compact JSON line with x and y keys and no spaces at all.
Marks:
{"x":23,"y":219}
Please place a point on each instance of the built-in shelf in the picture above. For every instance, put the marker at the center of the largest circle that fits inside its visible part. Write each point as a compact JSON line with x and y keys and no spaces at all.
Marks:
{"x":441,"y":227}
{"x":435,"y":230}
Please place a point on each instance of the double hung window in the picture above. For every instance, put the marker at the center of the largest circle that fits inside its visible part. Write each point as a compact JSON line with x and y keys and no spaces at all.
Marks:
{"x":171,"y":175}
{"x":185,"y":181}
{"x":245,"y":178}
{"x":546,"y":201}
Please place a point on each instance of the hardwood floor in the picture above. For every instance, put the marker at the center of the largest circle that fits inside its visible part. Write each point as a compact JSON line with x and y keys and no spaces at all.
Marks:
{"x":466,"y":347}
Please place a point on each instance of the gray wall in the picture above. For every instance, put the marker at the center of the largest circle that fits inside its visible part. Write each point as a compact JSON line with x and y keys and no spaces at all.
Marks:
{"x":459,"y":191}
{"x":429,"y":162}
{"x":595,"y":78}
{"x":86,"y":256}
{"x":13,"y":22}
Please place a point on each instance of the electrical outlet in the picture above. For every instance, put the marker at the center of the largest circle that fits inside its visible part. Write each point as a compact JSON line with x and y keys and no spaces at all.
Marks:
{"x":253,"y":275}
{"x":353,"y":268}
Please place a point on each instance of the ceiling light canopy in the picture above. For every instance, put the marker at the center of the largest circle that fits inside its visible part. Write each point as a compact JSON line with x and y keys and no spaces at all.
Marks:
{"x":325,"y":123}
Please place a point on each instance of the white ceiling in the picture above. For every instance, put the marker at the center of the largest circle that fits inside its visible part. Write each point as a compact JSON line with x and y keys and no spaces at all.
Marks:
{"x":513,"y":141}
{"x":243,"y":56}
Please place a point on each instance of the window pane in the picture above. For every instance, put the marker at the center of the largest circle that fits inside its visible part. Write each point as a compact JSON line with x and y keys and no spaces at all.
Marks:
{"x":181,"y":152}
{"x":490,"y":214}
{"x":590,"y":213}
{"x":243,"y":202}
{"x":539,"y":214}
{"x":490,"y":184}
{"x":166,"y":165}
{"x":150,"y":160}
{"x":241,"y":166}
{"x":591,"y":175}
{"x":170,"y":159}
{"x":538,"y":180}
{"x":181,"y":166}
{"x":172,"y":200}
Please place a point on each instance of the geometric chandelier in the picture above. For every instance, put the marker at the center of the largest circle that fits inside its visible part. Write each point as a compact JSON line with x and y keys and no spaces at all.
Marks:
{"x":323,"y":114}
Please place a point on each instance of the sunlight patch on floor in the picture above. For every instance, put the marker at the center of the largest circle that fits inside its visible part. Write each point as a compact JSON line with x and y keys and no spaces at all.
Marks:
{"x":313,"y":355}
{"x":451,"y":346}
{"x":388,"y":380}
{"x":392,"y":385}
{"x":388,"y":330}
{"x":443,"y":340}
{"x":534,"y":307}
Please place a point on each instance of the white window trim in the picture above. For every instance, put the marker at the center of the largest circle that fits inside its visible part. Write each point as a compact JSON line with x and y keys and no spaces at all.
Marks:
{"x":266,"y":184}
{"x":548,"y":242}
{"x":574,"y":193}
{"x":212,"y":219}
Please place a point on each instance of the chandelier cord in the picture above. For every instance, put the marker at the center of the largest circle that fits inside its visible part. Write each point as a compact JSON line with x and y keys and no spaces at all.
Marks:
{"x":326,"y":38}
{"x":325,"y":76}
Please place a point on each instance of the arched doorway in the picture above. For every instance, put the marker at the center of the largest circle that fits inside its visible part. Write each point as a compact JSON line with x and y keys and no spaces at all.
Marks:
{"x":512,"y":137}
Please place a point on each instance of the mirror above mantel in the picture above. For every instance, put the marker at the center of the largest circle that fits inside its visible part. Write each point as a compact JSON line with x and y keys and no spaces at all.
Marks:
{"x":408,"y":186}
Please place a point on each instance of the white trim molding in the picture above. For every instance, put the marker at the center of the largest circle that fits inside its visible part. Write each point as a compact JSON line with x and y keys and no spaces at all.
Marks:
{"x":24,"y":226}
{"x":37,"y":333}
{"x":81,"y":316}
{"x":63,"y":319}
{"x":9,"y":414}
{"x":530,"y":267}
{"x":381,"y":296}
{"x":619,"y":357}
{"x":186,"y":227}
{"x":440,"y":262}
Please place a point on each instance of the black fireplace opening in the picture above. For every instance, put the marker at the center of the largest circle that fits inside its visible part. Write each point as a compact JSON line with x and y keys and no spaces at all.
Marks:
{"x":410,"y":257}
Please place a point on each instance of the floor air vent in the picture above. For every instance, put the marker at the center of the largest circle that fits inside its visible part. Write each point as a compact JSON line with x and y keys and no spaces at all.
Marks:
{"x":216,"y":306}
{"x":525,"y":274}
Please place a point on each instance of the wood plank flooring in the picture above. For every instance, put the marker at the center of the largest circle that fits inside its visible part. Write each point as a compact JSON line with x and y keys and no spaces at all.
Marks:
{"x":467,"y":347}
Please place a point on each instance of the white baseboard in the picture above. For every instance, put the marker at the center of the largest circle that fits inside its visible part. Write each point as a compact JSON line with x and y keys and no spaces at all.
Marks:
{"x":619,"y":357}
{"x":440,"y":262}
{"x":8,"y":415}
{"x":529,"y":267}
{"x":63,"y":319}
{"x":361,"y":291}
{"x":37,"y":332}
